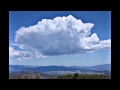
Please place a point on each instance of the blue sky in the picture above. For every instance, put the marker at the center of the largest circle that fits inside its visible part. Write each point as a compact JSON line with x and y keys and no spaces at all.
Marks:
{"x":102,"y":28}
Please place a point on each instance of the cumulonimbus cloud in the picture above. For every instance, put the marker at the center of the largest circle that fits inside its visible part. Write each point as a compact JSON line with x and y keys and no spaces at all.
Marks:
{"x":62,"y":35}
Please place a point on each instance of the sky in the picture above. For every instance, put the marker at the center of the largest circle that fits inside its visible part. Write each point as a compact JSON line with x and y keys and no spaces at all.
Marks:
{"x":61,"y":38}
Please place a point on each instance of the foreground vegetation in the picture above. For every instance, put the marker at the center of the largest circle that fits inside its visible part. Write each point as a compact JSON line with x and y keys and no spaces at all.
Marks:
{"x":35,"y":75}
{"x":84,"y":76}
{"x":25,"y":76}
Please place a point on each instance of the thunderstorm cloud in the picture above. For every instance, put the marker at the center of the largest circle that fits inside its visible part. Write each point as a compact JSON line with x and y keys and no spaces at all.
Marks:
{"x":58,"y":36}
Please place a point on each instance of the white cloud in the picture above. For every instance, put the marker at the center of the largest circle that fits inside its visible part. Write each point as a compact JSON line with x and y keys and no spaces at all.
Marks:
{"x":40,"y":55}
{"x":19,"y":55}
{"x":62,"y":35}
{"x":19,"y":59}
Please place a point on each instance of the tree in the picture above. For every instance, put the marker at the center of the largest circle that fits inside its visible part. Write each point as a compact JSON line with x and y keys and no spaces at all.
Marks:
{"x":37,"y":76}
{"x":76,"y":76}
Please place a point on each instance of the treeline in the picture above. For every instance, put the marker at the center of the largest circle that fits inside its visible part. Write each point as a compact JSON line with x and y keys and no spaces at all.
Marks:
{"x":84,"y":76}
{"x":32,"y":75}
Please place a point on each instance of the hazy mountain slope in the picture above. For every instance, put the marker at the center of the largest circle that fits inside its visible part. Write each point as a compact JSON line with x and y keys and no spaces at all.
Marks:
{"x":54,"y":70}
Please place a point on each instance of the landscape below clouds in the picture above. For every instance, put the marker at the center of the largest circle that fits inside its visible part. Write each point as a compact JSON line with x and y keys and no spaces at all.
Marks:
{"x":59,"y":70}
{"x":52,"y":43}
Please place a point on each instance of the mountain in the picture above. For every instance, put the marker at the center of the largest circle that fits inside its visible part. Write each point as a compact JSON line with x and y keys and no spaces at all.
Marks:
{"x":101,"y":67}
{"x":59,"y":70}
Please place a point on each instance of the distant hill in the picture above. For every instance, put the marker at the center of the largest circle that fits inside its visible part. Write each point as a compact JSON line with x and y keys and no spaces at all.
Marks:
{"x":58,"y":70}
{"x":102,"y":67}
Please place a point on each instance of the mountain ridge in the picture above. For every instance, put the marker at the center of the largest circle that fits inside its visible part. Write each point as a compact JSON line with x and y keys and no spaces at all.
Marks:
{"x":105,"y":68}
{"x":60,"y":65}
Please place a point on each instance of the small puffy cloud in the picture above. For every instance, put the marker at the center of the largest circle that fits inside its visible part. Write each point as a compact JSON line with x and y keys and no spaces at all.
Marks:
{"x":40,"y":55}
{"x":19,"y":59}
{"x":62,"y":35}
{"x":19,"y":55}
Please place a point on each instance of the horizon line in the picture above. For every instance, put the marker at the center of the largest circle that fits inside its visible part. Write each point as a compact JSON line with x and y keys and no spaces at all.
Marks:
{"x":59,"y":65}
